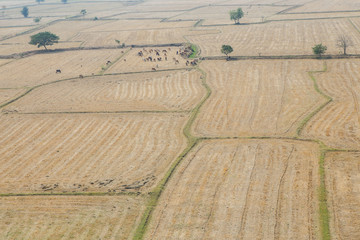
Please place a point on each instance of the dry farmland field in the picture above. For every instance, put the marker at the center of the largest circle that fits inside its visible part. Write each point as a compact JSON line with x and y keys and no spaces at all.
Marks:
{"x":135,"y":125}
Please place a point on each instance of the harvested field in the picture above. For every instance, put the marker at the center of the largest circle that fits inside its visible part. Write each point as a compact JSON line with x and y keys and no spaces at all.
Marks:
{"x":278,"y":38}
{"x":338,"y":124}
{"x":69,"y":217}
{"x":8,"y":94}
{"x":241,"y":189}
{"x":257,"y":97}
{"x":302,"y":16}
{"x":130,"y":25}
{"x":328,"y":5}
{"x":7,"y":32}
{"x":160,"y":91}
{"x":342,"y":183}
{"x":41,"y":68}
{"x":214,"y":15}
{"x":136,"y":63}
{"x":87,"y":153}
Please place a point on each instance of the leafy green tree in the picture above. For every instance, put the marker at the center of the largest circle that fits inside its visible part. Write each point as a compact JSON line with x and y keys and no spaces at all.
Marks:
{"x":44,"y":39}
{"x":64,"y":1}
{"x":25,"y":12}
{"x":235,"y":15}
{"x":39,"y":1}
{"x":319,"y":49}
{"x":226,"y":49}
{"x":83,"y":11}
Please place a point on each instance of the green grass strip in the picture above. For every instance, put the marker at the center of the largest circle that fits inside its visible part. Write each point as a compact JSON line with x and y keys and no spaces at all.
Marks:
{"x":317,"y":110}
{"x":192,"y":142}
{"x":69,"y":194}
{"x":195,"y":50}
{"x":323,"y":208}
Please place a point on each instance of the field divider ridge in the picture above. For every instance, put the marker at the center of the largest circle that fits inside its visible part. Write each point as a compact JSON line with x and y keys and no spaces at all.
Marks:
{"x":192,"y":142}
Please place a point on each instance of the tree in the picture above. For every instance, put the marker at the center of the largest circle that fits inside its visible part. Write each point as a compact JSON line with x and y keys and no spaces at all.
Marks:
{"x":37,"y":19}
{"x":344,"y":42}
{"x":319,"y":49}
{"x":39,"y":1}
{"x":235,"y":15}
{"x":44,"y":39}
{"x":83,"y":11}
{"x":226,"y":49}
{"x":25,"y":12}
{"x":64,"y":1}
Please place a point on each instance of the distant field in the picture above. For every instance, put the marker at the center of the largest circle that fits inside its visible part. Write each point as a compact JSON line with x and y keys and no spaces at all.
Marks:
{"x":278,"y":38}
{"x":299,"y":16}
{"x":43,"y":153}
{"x":342,"y":183}
{"x":328,"y":5}
{"x":220,"y":14}
{"x":241,"y":189}
{"x":41,"y":68}
{"x":136,"y":92}
{"x":257,"y":97}
{"x":338,"y":125}
{"x":74,"y":217}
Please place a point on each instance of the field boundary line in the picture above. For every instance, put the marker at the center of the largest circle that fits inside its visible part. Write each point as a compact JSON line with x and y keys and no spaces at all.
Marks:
{"x":72,"y":194}
{"x":102,"y":112}
{"x":192,"y":142}
{"x":105,"y":68}
{"x":322,"y":106}
{"x":278,"y":57}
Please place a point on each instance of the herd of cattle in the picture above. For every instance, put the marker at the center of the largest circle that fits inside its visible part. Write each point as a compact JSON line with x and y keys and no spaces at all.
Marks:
{"x":156,"y":55}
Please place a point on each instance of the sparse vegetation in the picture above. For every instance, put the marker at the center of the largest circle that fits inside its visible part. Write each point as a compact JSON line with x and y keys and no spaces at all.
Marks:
{"x":64,"y":1}
{"x":44,"y":39}
{"x":37,"y":19}
{"x":83,"y":12}
{"x":344,"y":42}
{"x":39,"y":1}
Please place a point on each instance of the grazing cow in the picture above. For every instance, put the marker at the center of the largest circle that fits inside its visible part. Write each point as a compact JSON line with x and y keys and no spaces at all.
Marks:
{"x":153,"y":69}
{"x":157,"y":54}
{"x":108,"y":62}
{"x":58,"y":71}
{"x":177,"y":62}
{"x":81,"y":76}
{"x":177,"y":52}
{"x":165,"y":58}
{"x":164,"y":51}
{"x":124,"y":60}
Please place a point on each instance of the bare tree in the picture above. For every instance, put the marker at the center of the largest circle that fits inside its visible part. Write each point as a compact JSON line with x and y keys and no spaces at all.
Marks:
{"x":344,"y":42}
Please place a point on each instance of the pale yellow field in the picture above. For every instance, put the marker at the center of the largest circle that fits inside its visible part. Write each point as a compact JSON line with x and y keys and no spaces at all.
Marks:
{"x":241,"y":189}
{"x":161,"y":91}
{"x":329,"y":5}
{"x":41,"y":68}
{"x":8,"y":94}
{"x":338,"y":124}
{"x":257,"y":97}
{"x":220,"y":14}
{"x":132,"y":62}
{"x":342,"y":183}
{"x":278,"y":38}
{"x":297,"y":16}
{"x":92,"y":152}
{"x":8,"y":32}
{"x":69,"y":217}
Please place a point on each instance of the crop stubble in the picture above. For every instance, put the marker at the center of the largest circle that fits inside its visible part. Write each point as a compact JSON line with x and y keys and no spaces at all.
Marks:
{"x":257,"y":97}
{"x":87,"y":153}
{"x":241,"y":189}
